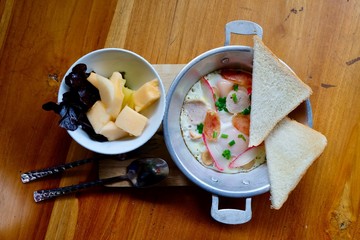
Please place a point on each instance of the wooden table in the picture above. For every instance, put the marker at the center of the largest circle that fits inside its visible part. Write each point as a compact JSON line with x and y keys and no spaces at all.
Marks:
{"x":39,"y":40}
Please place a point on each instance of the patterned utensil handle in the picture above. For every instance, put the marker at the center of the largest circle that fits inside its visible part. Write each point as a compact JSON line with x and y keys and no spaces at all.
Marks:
{"x":45,"y":194}
{"x":37,"y":174}
{"x":34,"y":175}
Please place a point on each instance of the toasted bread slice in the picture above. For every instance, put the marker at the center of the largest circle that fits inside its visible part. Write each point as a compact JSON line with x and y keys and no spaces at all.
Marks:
{"x":291,"y":148}
{"x":276,"y":91}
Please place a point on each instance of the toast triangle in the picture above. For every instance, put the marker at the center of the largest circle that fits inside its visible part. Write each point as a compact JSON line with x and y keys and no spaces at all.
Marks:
{"x":276,"y":91}
{"x":291,"y":148}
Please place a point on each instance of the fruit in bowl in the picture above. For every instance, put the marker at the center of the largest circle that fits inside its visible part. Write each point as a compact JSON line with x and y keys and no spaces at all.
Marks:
{"x":111,"y":101}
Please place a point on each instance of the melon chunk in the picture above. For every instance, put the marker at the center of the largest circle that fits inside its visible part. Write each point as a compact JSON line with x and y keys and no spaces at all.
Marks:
{"x":146,"y":95}
{"x":127,"y":92}
{"x":110,"y":90}
{"x":128,"y":97}
{"x":115,"y":106}
{"x":92,"y":78}
{"x":112,"y":132}
{"x":131,"y":121}
{"x":106,"y":90}
{"x":98,"y":116}
{"x":117,"y":76}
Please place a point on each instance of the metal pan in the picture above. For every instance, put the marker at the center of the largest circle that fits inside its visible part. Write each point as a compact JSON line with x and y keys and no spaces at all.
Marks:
{"x":240,"y":185}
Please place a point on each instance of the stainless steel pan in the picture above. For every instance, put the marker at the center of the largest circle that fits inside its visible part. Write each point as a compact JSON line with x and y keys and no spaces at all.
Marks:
{"x":240,"y":185}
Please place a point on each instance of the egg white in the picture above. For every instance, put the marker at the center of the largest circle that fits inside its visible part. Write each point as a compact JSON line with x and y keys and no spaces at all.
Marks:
{"x":188,"y":128}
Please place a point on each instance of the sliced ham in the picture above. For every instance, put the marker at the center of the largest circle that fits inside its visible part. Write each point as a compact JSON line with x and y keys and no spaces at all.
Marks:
{"x":212,"y":125}
{"x":208,"y":93}
{"x":215,"y":152}
{"x":224,"y":87}
{"x":242,"y":123}
{"x":239,"y":77}
{"x":196,"y":110}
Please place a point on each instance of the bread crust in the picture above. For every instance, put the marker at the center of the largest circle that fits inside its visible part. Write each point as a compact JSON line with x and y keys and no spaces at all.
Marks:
{"x":291,"y":148}
{"x":283,"y":89}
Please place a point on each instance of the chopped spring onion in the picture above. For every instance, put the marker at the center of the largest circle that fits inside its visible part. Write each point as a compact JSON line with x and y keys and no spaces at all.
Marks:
{"x":242,"y":137}
{"x":224,"y":135}
{"x":200,"y":128}
{"x":221,"y":104}
{"x":215,"y":134}
{"x":232,"y":143}
{"x":236,"y":87}
{"x":234,"y":97}
{"x":246,"y":111}
{"x":226,"y":154}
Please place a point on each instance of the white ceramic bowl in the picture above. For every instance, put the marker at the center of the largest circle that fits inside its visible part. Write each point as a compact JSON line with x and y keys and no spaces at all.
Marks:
{"x":137,"y":72}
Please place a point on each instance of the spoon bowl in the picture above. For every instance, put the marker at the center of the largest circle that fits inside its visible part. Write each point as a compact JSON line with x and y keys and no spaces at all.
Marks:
{"x":142,"y":172}
{"x":145,"y":172}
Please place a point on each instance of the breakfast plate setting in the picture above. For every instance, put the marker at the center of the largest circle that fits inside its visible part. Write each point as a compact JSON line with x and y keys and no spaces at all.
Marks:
{"x":235,"y":121}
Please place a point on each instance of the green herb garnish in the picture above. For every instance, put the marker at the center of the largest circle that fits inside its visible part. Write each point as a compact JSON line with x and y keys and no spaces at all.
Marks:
{"x":224,"y":135}
{"x":215,"y":134}
{"x":246,"y":111}
{"x":236,"y":87}
{"x":234,"y":97}
{"x":200,"y":127}
{"x":226,"y":154}
{"x":232,"y":143}
{"x":242,"y":137}
{"x":221,"y":104}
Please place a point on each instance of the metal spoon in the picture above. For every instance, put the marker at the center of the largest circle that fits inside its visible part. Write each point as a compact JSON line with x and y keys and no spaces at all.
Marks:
{"x":141,"y":172}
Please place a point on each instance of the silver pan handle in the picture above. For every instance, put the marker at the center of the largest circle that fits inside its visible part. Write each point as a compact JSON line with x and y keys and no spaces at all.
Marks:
{"x":230,"y":216}
{"x":242,"y":27}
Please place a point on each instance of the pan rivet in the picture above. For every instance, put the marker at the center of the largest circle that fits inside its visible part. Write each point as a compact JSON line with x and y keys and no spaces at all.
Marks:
{"x":225,"y":60}
{"x":246,"y":182}
{"x":214,"y":179}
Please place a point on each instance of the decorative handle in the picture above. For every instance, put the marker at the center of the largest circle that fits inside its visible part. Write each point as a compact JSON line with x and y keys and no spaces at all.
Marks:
{"x":37,"y":174}
{"x":46,"y":194}
{"x":242,"y":27}
{"x":230,"y":216}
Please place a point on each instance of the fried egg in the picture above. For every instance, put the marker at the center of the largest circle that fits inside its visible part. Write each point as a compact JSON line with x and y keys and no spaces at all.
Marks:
{"x":227,"y":150}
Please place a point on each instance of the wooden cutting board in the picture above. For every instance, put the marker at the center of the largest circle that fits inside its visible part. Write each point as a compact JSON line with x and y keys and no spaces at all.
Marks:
{"x":154,"y":148}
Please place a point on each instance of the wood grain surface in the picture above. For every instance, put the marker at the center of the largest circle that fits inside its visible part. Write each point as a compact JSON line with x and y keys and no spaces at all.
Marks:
{"x":39,"y":40}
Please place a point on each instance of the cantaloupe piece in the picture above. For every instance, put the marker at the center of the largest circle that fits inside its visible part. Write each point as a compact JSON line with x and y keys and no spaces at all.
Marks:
{"x":117,"y":76}
{"x":98,"y":116}
{"x":146,"y":95}
{"x":106,"y":90}
{"x":127,"y":92}
{"x":92,"y":78}
{"x":128,"y":97}
{"x":110,"y":91}
{"x":116,"y":105}
{"x":112,"y":132}
{"x":131,"y":121}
